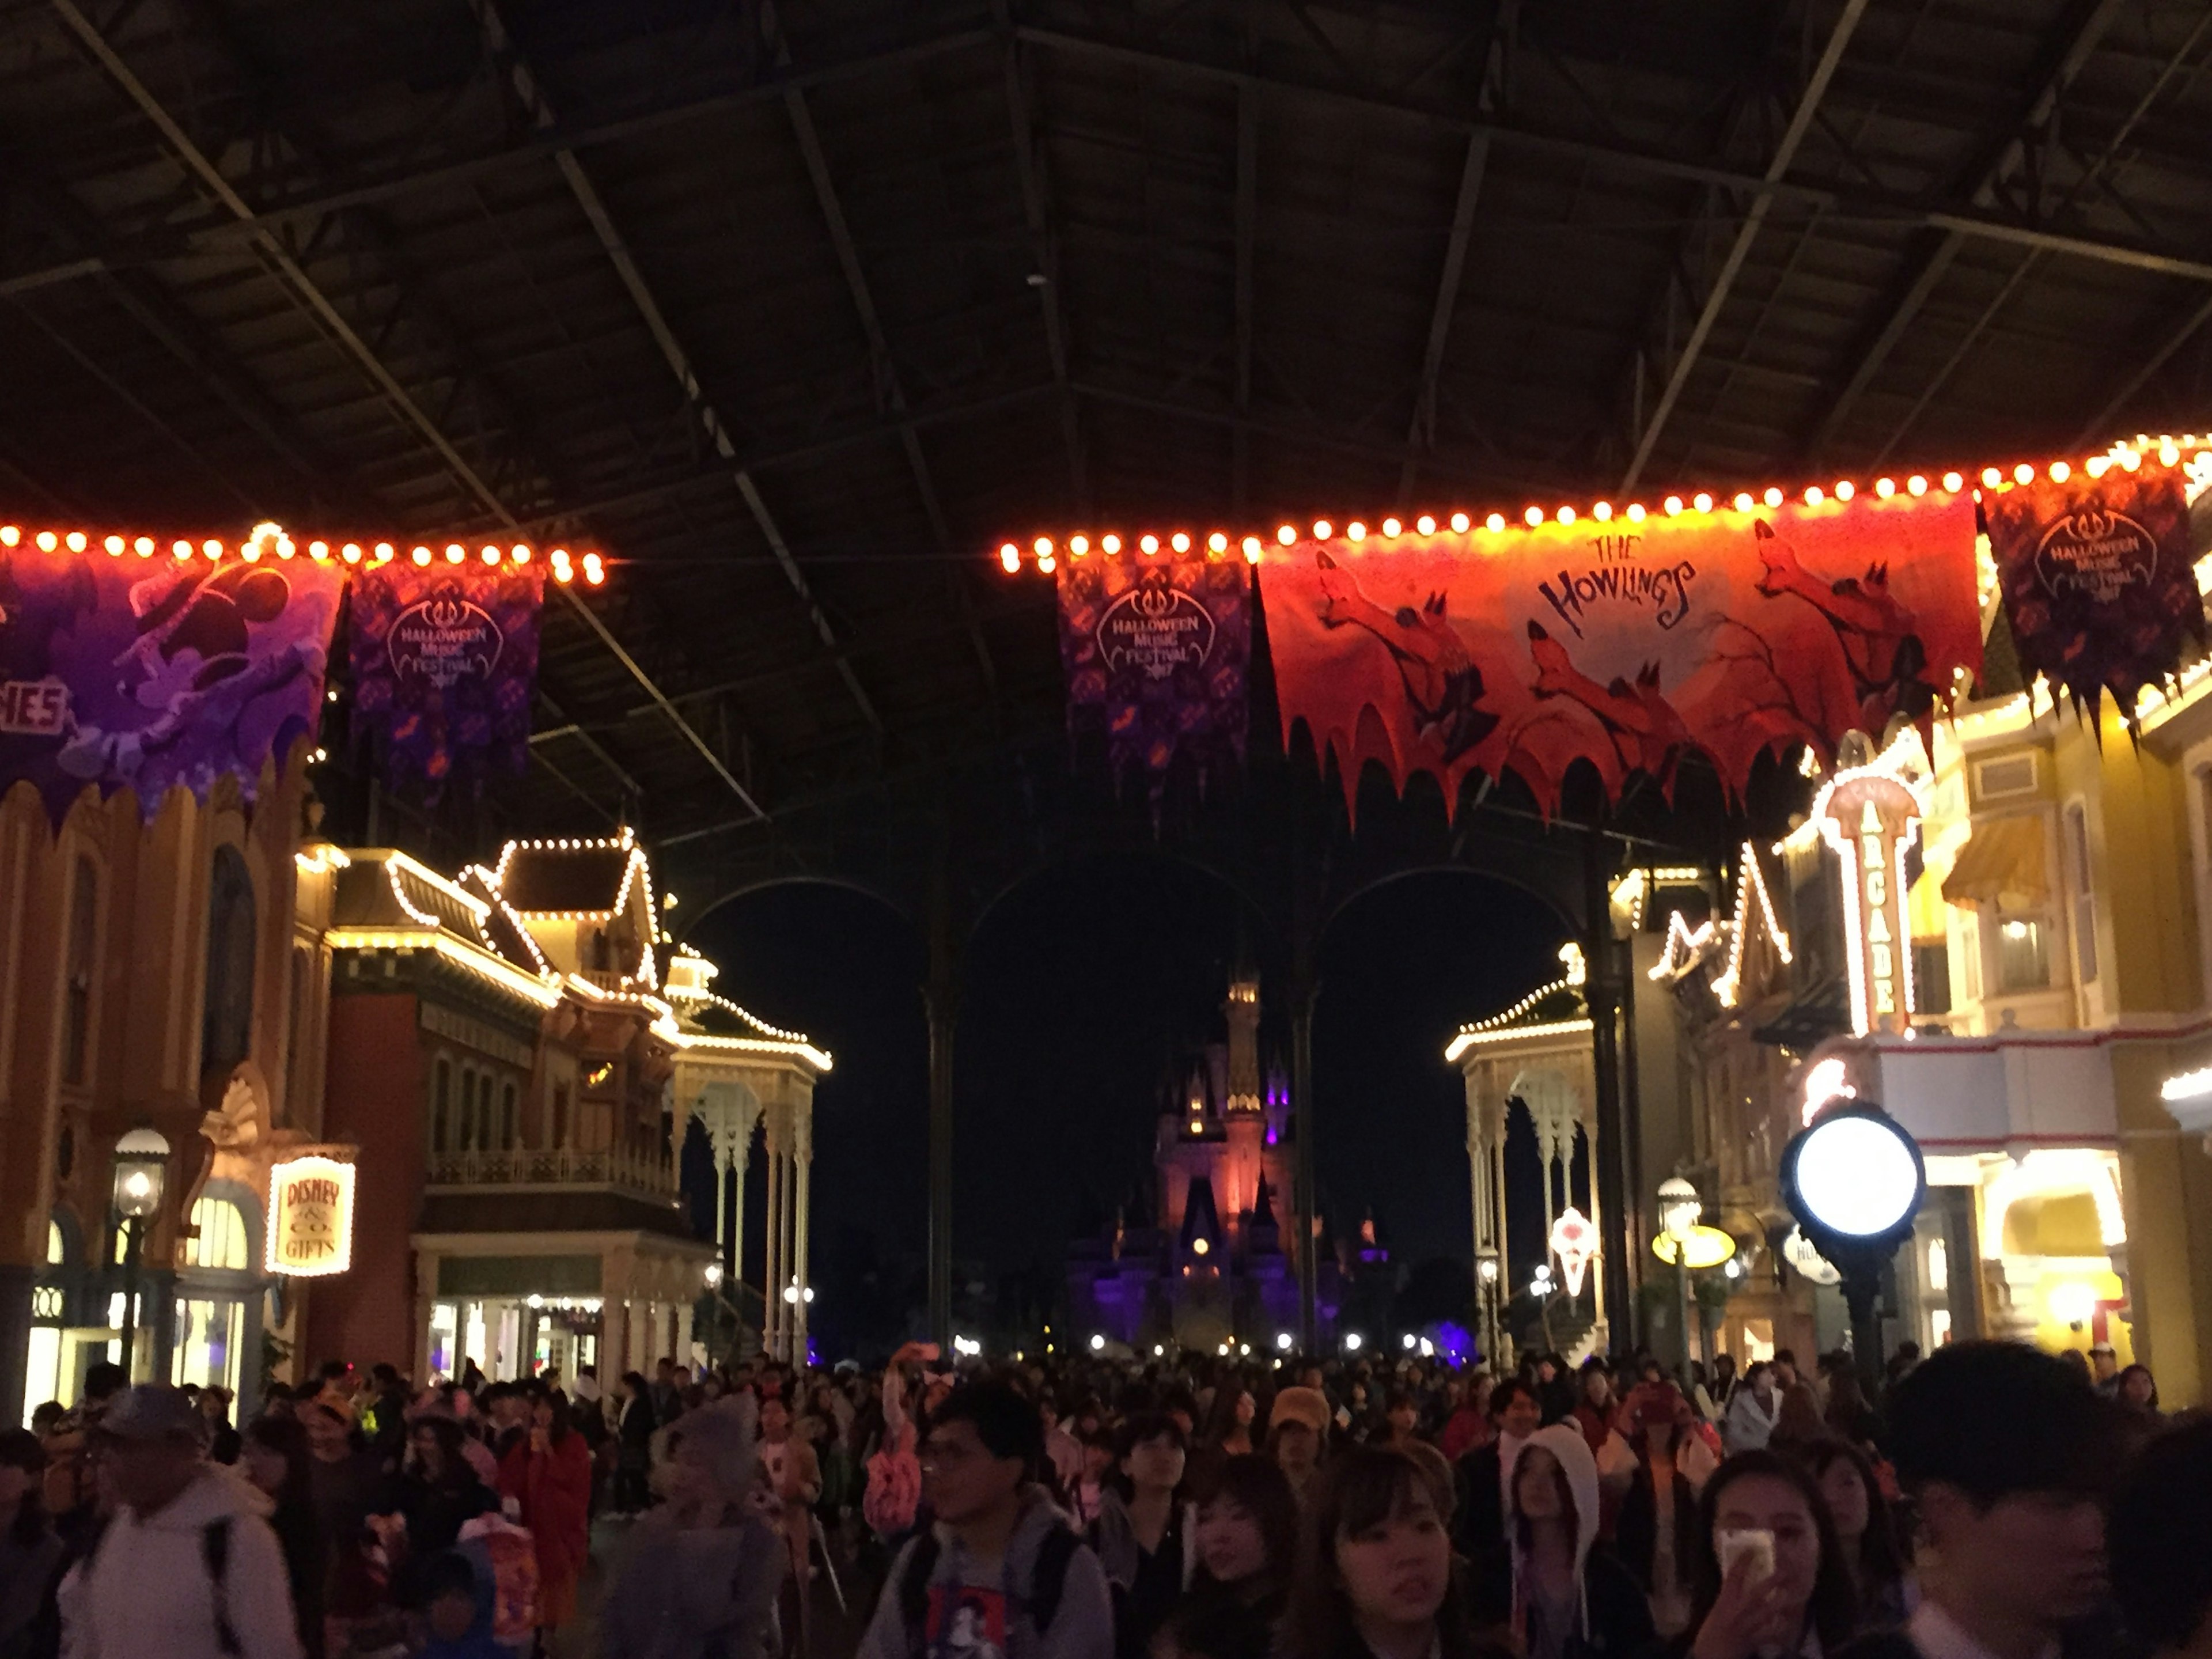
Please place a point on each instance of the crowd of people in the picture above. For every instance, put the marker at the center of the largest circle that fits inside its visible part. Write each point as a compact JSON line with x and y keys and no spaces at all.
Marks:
{"x":1991,"y":1503}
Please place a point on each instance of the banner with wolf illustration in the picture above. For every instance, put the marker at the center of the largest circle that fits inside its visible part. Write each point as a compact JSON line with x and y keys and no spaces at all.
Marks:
{"x":445,"y":666}
{"x":1633,"y":647}
{"x":2100,"y":582}
{"x":149,"y":672}
{"x":1156,"y":649}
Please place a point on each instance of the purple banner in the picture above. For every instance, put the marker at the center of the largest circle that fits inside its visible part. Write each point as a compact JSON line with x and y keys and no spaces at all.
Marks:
{"x":146,"y":673}
{"x":2099,"y":582}
{"x":445,"y":667}
{"x":1156,"y":650}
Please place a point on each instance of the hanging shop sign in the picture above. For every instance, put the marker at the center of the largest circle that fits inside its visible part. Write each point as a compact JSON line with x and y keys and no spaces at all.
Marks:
{"x":2098,"y":576}
{"x":1156,"y":647}
{"x":1871,"y":817}
{"x":1630,"y":642}
{"x":122,"y":665}
{"x":310,"y":1217}
{"x":1574,"y":1241}
{"x":444,"y":664}
{"x":1701,"y":1247}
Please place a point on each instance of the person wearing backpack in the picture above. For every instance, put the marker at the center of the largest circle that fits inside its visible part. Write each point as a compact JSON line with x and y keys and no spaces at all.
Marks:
{"x":188,"y":1567}
{"x":1001,"y":1575}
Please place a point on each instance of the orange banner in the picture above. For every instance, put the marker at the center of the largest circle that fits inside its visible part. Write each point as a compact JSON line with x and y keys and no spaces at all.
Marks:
{"x":1631,"y":646}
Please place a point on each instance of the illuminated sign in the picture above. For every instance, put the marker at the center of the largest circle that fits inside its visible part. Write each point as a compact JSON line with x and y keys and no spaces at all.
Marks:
{"x":310,"y":1217}
{"x":1702,"y":1247}
{"x":1871,"y":819}
{"x":1574,"y":1241}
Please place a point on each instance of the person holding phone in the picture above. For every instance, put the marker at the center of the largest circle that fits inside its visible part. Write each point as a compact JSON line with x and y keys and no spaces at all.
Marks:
{"x":1769,"y":1578}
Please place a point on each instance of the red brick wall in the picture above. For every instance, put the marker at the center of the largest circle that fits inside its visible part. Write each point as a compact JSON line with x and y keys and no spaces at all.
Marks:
{"x":374,"y":1099}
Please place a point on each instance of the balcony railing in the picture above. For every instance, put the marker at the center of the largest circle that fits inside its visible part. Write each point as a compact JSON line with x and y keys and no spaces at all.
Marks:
{"x":653,"y":1176}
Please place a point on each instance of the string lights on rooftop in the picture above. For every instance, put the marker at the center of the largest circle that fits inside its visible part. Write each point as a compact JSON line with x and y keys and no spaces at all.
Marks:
{"x":271,"y":542}
{"x":1044,"y":553}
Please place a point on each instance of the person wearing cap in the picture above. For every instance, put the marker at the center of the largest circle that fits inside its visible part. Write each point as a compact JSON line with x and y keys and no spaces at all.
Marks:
{"x":188,"y":1567}
{"x":1297,"y":1434}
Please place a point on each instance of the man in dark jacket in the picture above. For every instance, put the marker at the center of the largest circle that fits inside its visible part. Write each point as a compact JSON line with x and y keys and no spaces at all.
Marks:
{"x":1481,"y":1521}
{"x":2005,"y":1453}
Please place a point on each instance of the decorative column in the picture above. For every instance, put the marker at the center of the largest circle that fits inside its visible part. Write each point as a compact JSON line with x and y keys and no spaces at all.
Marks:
{"x":1601,"y":993}
{"x":802,"y":1157}
{"x":772,"y":1272}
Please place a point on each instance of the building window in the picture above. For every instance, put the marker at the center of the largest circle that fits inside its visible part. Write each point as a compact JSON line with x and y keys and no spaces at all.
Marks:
{"x":441,"y":1091}
{"x":1931,"y":976}
{"x":2023,"y":954}
{"x":560,"y":1116}
{"x":220,"y":1243}
{"x":57,"y":1247}
{"x":506,"y":1119}
{"x":226,"y":1022}
{"x":469,"y":1141}
{"x":1939,"y":1266}
{"x":83,"y":952}
{"x":2085,"y":903}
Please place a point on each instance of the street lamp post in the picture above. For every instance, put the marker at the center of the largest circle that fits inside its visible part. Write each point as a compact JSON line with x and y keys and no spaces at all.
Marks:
{"x":142,"y":1164}
{"x":1486,"y":1275}
{"x":1855,"y":1180}
{"x":1679,"y":1209}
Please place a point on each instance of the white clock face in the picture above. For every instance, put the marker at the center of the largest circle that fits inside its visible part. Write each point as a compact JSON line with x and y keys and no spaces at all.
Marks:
{"x":1855,"y":1176}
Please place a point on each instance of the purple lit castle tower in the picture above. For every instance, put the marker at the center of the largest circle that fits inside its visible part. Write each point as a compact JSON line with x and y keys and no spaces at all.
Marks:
{"x":1218,"y":1262}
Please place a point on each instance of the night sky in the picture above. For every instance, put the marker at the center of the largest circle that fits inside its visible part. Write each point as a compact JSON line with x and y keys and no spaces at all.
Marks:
{"x":1085,"y":990}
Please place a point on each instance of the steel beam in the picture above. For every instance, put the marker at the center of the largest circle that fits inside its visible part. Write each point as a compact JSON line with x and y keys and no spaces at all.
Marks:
{"x":1045,"y":248}
{"x":295,"y":280}
{"x":1777,"y":167}
{"x":536,"y":104}
{"x":1421,"y":434}
{"x":891,"y":391}
{"x":1246,"y":234}
{"x":2010,"y":156}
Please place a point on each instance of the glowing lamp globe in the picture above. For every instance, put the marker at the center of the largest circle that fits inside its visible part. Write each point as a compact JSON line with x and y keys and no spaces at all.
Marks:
{"x":1855,"y":1174}
{"x":142,"y":1164}
{"x":1679,"y":1206}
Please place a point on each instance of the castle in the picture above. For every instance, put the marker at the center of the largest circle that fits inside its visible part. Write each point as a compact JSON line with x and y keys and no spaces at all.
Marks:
{"x":1216,"y":1262}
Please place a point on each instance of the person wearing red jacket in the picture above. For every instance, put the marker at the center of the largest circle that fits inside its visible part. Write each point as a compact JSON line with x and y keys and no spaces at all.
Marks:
{"x":549,"y":1474}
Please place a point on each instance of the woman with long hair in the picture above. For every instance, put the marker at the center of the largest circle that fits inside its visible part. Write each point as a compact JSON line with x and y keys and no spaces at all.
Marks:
{"x":1798,"y":1424}
{"x":1570,"y":1598}
{"x":274,"y":1455}
{"x":1788,"y":1597}
{"x":1848,"y":1415}
{"x":549,"y":1474}
{"x":1866,"y":1533}
{"x":1375,"y":1578}
{"x":1246,"y":1534}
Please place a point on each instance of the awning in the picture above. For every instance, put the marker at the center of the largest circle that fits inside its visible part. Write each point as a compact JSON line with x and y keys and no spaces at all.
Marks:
{"x":2002,"y":865}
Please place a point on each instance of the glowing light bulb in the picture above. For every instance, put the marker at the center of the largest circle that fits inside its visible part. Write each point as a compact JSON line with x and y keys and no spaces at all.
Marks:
{"x":9,"y":535}
{"x":48,"y":541}
{"x":2097,"y":466}
{"x":76,"y":541}
{"x":2168,"y":454}
{"x":350,"y":552}
{"x":1815,"y":495}
{"x":2060,"y":472}
{"x":1566,"y":515}
{"x":1217,"y":543}
{"x":1845,"y":489}
{"x":1148,"y":543}
{"x":1954,"y":481}
{"x":1742,"y":502}
{"x":212,"y":548}
{"x":1636,"y":513}
{"x":1046,"y":564}
{"x":1702,"y":502}
{"x":384,"y":552}
{"x":1425,"y":525}
{"x":1459,"y":522}
{"x":1602,"y":512}
{"x":2024,"y":473}
{"x":1774,"y":496}
{"x":1043,"y":545}
{"x":114,"y":546}
{"x":1991,"y":477}
{"x":1533,"y":517}
{"x":1180,"y":541}
{"x":1323,"y":530}
{"x":455,"y":553}
{"x":1915,"y":485}
{"x":421,"y":555}
{"x":1079,"y":545}
{"x":1496,"y":521}
{"x":489,"y":556}
{"x":1356,"y":531}
{"x":1251,"y":549}
{"x":1010,"y":556}
{"x":1111,"y":543}
{"x":1391,"y":527}
{"x":144,"y":547}
{"x":1885,"y":488}
{"x":1286,"y":534}
{"x":1673,"y":506}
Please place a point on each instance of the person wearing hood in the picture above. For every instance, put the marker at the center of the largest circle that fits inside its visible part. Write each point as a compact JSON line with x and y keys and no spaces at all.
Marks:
{"x":1753,"y":1411}
{"x":1569,"y":1599}
{"x":1146,"y":1543}
{"x":999,"y":1573}
{"x":188,"y":1567}
{"x":703,"y":1569}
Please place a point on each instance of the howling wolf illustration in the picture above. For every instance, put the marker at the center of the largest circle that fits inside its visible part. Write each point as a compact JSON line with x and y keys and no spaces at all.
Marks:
{"x":1646,"y":732}
{"x":1879,"y":637}
{"x":1442,"y":685}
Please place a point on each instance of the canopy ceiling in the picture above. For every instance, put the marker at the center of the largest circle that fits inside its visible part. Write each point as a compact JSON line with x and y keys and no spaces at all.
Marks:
{"x":797,"y":311}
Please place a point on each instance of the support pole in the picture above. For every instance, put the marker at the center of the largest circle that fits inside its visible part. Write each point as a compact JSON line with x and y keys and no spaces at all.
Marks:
{"x":772,"y":1273}
{"x":1307,"y":1207}
{"x":942,"y":998}
{"x":1601,"y":990}
{"x":802,"y":1157}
